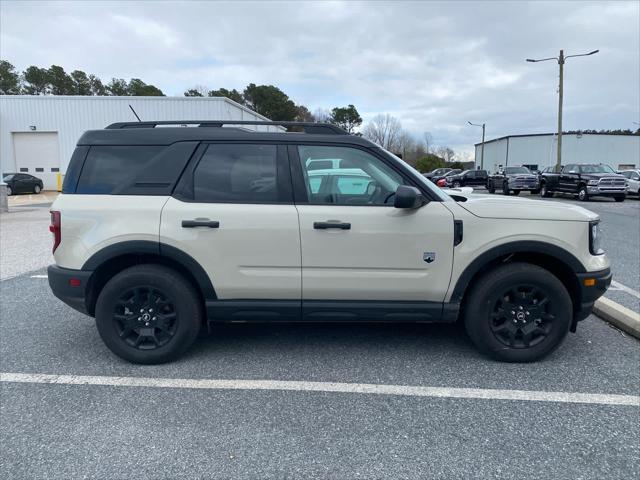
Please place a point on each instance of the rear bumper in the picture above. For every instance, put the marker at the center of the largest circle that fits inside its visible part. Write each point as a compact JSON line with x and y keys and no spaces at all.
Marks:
{"x":73,"y":293}
{"x":589,"y":294}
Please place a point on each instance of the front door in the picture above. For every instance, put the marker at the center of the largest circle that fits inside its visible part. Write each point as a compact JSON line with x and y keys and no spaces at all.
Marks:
{"x":356,"y":247}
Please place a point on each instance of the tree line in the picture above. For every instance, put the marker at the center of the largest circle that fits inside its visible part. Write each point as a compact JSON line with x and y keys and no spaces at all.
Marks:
{"x":267,"y":100}
{"x":56,"y":81}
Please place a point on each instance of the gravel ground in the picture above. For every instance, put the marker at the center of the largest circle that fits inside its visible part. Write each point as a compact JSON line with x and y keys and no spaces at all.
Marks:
{"x":25,"y":240}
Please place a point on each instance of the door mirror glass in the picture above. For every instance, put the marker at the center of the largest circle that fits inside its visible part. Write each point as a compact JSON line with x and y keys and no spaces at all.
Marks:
{"x":408,"y":197}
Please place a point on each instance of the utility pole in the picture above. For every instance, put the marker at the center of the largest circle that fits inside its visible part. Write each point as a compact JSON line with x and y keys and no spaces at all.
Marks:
{"x":561,"y":59}
{"x":482,"y":146}
{"x":560,"y":87}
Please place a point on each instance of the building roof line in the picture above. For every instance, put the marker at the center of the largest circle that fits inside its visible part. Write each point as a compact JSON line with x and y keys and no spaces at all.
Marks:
{"x":553,"y":135}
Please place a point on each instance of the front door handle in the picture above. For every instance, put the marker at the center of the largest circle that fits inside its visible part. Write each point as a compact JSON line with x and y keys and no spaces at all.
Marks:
{"x":331,"y":224}
{"x":200,"y":222}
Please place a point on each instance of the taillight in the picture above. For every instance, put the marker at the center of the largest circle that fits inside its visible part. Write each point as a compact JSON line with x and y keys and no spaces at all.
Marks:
{"x":55,"y":228}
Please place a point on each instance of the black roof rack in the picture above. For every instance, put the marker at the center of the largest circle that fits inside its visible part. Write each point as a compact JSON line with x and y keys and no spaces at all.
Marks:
{"x":307,"y":127}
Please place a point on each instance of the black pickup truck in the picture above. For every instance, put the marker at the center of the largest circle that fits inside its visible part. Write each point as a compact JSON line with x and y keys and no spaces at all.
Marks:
{"x":585,"y":181}
{"x":513,"y":180}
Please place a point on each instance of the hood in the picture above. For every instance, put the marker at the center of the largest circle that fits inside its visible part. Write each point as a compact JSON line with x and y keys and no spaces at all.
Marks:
{"x":493,"y":206}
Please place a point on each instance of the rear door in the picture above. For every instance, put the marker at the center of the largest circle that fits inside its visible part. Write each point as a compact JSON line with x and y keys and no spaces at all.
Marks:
{"x":233,"y":212}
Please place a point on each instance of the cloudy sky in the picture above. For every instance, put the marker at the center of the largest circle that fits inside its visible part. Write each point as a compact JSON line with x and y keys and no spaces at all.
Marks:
{"x":433,"y":65}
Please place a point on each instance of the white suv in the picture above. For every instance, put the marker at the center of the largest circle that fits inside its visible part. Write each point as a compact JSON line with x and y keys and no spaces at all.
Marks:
{"x":160,"y":231}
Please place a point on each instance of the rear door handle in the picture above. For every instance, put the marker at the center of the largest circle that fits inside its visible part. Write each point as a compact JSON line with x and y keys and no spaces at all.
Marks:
{"x":200,"y":222}
{"x":331,"y":224}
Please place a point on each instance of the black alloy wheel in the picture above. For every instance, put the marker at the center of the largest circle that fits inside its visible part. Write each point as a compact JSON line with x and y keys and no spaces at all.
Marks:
{"x":145,"y":318}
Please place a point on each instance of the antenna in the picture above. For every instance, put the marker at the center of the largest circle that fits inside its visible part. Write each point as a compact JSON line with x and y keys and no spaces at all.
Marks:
{"x":134,"y":112}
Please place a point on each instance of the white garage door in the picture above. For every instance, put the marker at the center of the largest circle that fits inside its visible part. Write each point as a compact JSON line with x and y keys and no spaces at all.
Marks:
{"x":36,"y":153}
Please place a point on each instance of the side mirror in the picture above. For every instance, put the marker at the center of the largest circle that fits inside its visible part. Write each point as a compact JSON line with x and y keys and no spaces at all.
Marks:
{"x":408,"y":197}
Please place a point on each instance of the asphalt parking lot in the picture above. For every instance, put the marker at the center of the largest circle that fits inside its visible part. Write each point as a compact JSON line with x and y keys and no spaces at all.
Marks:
{"x":310,"y":401}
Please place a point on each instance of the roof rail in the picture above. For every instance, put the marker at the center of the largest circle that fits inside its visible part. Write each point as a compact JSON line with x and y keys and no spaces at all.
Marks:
{"x":307,"y":127}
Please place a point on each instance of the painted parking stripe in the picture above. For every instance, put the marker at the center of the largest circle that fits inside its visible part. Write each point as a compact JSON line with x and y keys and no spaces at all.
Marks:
{"x":328,"y":387}
{"x":618,"y":286}
{"x":39,"y":276}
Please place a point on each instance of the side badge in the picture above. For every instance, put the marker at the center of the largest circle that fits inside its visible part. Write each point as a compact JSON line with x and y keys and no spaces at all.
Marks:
{"x":429,"y":257}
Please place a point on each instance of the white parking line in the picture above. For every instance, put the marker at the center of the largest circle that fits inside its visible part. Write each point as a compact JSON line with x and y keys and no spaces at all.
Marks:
{"x":330,"y":387}
{"x":618,"y":286}
{"x":39,"y":276}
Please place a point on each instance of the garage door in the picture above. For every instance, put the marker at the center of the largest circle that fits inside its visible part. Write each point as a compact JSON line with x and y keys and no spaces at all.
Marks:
{"x":37,"y":153}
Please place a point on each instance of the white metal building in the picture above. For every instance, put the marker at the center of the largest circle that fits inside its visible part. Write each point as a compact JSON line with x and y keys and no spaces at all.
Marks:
{"x":538,"y":151}
{"x":38,"y":133}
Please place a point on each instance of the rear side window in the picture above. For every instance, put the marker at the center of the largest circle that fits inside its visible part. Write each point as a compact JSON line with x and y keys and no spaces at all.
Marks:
{"x":108,"y":168}
{"x":235,"y":173}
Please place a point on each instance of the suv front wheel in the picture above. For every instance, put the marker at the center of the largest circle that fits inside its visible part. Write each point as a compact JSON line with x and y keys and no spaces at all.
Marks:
{"x":518,"y":313}
{"x":148,"y":314}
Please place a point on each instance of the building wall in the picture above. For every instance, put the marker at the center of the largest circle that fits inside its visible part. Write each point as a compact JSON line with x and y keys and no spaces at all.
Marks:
{"x":541,"y":150}
{"x":70,"y":116}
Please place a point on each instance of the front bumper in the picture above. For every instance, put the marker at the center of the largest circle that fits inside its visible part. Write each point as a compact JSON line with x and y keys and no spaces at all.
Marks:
{"x":592,"y":285}
{"x":70,"y":286}
{"x":606,"y":192}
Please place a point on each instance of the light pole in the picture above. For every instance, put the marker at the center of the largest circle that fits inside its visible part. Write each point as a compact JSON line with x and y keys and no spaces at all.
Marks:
{"x":560,"y":59}
{"x":482,"y":147}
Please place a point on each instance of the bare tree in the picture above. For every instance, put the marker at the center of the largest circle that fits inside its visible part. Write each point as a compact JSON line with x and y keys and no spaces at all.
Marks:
{"x":384,"y":130}
{"x":428,"y":140}
{"x":445,"y":152}
{"x":322,"y":115}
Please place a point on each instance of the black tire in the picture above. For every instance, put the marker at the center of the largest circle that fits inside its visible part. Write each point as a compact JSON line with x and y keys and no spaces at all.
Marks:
{"x":37,"y":189}
{"x":619,"y":198}
{"x":544,"y":192}
{"x":456,"y":184}
{"x":9,"y":191}
{"x":583,"y":195}
{"x":516,"y":192}
{"x":496,"y":316}
{"x":129,"y":297}
{"x":505,"y":188}
{"x":535,"y":192}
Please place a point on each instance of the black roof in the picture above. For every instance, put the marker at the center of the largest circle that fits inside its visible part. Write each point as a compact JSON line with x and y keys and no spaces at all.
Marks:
{"x":146,"y":133}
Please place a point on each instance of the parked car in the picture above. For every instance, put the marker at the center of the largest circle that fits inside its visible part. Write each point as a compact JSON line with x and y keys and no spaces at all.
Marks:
{"x":230,"y":225}
{"x":584,"y":180}
{"x":468,"y":178}
{"x":513,"y":180}
{"x":454,"y":171}
{"x":633,"y":181}
{"x":438,"y":172}
{"x":21,"y":183}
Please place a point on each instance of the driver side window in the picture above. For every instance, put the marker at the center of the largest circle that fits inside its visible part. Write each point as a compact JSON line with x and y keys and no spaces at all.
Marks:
{"x":350,"y":177}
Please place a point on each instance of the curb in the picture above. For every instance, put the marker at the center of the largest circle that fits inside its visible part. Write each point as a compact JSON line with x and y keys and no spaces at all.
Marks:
{"x":622,"y":317}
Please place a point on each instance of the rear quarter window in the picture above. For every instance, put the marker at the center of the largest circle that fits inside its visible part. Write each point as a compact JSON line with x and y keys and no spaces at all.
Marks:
{"x":109,"y":167}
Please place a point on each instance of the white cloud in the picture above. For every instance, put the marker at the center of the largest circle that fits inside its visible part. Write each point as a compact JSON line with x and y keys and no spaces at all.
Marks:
{"x":433,"y":65}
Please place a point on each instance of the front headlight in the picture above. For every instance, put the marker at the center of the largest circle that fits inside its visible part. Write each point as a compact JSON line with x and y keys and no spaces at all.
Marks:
{"x":592,"y":182}
{"x":595,"y":238}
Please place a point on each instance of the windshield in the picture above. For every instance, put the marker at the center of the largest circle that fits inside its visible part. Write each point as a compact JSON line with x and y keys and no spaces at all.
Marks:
{"x":7,"y":178}
{"x":419,"y":178}
{"x":516,"y":170}
{"x":596,"y":169}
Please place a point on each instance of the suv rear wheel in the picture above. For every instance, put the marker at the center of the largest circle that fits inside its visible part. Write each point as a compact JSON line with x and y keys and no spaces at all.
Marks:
{"x":518,"y":313}
{"x":148,"y":314}
{"x":583,"y":195}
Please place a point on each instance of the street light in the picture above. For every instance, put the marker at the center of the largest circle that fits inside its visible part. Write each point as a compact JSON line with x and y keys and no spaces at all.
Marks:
{"x":561,"y":59}
{"x":481,"y":148}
